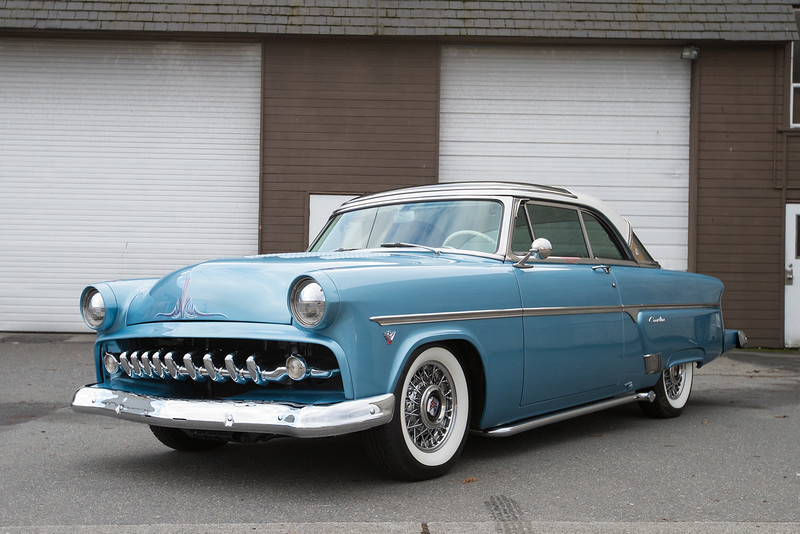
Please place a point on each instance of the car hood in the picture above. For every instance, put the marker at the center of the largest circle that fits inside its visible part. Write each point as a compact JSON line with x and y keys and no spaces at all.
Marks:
{"x":253,"y":289}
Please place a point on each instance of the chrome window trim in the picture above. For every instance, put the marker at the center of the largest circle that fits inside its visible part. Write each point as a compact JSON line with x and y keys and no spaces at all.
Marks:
{"x":458,"y":190}
{"x":570,"y":260}
{"x":438,"y":252}
{"x":585,"y":235}
{"x":440,"y":317}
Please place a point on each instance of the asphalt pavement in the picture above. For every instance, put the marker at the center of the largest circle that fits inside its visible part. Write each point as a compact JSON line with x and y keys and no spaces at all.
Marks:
{"x":730,"y":463}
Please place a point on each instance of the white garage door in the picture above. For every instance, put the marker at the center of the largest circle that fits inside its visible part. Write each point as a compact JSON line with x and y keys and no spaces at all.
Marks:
{"x":119,"y":160}
{"x":609,"y":121}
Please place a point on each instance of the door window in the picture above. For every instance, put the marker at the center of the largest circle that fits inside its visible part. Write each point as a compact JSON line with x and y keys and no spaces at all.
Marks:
{"x":561,"y":226}
{"x":602,"y":242}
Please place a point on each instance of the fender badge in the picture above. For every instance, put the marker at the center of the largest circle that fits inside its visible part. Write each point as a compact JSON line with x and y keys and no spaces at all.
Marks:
{"x":656,"y":320}
{"x":389,"y":336}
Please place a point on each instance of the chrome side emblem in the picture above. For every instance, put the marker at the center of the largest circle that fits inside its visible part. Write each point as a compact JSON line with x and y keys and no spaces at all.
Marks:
{"x":658,"y":319}
{"x":389,"y":336}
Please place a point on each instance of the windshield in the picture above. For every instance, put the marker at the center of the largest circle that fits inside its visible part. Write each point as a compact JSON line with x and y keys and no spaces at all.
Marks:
{"x":459,"y":224}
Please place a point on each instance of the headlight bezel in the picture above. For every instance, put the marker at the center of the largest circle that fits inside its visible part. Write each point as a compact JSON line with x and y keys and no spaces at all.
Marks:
{"x":108,"y":302}
{"x":308,"y":314}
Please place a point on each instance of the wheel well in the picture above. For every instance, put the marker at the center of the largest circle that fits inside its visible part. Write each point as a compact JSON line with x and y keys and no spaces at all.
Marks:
{"x":473,"y":365}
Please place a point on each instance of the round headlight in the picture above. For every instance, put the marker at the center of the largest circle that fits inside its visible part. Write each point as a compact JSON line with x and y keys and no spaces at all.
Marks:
{"x":308,"y":302}
{"x":93,"y":308}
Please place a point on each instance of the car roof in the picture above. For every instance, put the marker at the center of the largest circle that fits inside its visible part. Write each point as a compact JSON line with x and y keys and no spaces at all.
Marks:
{"x":493,"y":189}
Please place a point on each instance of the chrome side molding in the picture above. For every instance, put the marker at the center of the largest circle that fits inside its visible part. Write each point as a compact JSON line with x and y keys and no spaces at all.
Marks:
{"x":530,"y":424}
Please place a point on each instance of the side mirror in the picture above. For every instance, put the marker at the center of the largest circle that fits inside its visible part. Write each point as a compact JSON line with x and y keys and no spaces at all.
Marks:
{"x":540,"y":250}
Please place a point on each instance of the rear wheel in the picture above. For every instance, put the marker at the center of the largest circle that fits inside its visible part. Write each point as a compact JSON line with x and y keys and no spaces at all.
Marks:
{"x":181,"y":440}
{"x":672,"y":392}
{"x":429,"y":427}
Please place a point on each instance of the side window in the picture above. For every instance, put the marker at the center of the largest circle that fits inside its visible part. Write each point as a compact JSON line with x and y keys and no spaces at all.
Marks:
{"x":602,"y":242}
{"x":522,"y":239}
{"x":562,"y":226}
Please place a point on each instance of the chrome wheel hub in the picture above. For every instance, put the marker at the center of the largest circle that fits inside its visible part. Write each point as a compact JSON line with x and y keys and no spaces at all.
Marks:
{"x":674,"y":380}
{"x":429,"y":407}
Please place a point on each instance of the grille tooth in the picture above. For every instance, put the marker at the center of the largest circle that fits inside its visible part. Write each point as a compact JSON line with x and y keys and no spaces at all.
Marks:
{"x":235,"y":374}
{"x":125,"y":363}
{"x":193,"y":372}
{"x":158,"y":367}
{"x":254,"y":371}
{"x":172,"y":367}
{"x":147,"y":370}
{"x":213,"y":372}
{"x":135,"y":365}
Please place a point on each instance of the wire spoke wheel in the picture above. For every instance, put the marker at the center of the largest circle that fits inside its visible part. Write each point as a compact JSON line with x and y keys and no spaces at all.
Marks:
{"x":429,"y":407}
{"x":674,"y":381}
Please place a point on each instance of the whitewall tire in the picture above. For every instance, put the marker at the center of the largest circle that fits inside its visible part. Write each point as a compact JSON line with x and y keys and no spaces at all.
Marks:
{"x":431,"y":419}
{"x":672,"y":391}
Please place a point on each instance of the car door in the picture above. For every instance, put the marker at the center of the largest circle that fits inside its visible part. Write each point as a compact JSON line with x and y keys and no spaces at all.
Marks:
{"x":572,"y":314}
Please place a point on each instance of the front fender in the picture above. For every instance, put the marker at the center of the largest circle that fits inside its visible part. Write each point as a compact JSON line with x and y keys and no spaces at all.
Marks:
{"x":118,"y":296}
{"x":501,"y":358}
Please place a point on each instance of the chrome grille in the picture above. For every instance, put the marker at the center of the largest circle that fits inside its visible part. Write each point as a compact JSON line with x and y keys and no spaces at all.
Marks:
{"x":239,"y":366}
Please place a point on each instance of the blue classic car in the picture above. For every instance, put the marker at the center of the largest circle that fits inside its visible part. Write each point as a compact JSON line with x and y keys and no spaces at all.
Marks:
{"x":416,"y":316}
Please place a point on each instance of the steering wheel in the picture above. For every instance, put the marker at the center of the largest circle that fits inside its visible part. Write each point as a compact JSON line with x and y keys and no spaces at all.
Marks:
{"x":468,"y":233}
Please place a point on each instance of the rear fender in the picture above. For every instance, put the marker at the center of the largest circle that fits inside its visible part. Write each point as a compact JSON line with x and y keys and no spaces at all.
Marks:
{"x":681,"y":335}
{"x":695,"y":355}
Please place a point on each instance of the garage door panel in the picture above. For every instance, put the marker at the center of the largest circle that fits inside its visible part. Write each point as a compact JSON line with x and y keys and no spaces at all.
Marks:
{"x":617,"y":154}
{"x":610,"y":121}
{"x":117,"y":160}
{"x":605,"y":173}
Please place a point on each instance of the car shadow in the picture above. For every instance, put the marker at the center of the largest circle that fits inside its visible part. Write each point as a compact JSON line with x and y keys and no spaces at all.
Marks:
{"x":331,"y":461}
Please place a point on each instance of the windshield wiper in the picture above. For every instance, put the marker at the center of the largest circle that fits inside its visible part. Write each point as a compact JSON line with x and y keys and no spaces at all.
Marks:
{"x":401,"y":244}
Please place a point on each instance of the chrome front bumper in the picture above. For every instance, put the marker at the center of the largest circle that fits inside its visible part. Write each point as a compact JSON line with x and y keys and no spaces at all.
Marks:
{"x":305,"y":421}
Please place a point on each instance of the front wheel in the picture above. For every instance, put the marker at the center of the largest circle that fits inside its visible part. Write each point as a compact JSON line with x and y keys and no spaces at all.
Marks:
{"x":429,"y":427}
{"x":672,"y":392}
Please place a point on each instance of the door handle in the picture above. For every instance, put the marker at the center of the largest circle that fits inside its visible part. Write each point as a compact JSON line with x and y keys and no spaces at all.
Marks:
{"x":789,"y":275}
{"x":606,"y":268}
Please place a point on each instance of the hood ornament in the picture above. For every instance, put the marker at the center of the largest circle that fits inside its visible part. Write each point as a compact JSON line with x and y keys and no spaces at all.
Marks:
{"x":184,"y":307}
